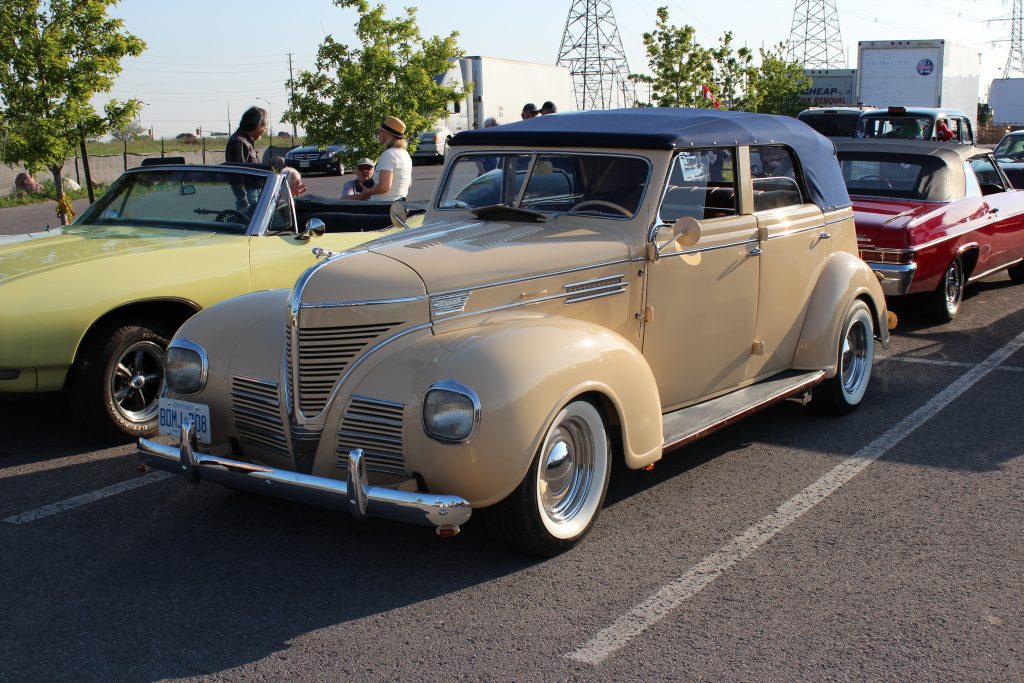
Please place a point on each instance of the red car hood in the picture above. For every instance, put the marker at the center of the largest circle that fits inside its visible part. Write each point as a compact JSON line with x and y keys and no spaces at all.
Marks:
{"x":884,"y":222}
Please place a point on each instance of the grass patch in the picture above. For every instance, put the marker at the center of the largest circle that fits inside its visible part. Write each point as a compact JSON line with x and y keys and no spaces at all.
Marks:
{"x":49,"y":193}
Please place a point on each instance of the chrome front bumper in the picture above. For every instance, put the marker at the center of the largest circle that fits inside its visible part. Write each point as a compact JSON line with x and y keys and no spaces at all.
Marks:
{"x":445,"y":513}
{"x":894,"y":278}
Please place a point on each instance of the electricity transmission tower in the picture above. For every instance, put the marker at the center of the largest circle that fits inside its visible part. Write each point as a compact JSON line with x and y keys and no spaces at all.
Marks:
{"x":1015,"y":60}
{"x":592,"y":50}
{"x":814,"y":40}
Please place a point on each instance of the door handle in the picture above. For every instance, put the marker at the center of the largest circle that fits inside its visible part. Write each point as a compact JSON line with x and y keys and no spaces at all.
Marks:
{"x":824,"y":236}
{"x":756,"y":251}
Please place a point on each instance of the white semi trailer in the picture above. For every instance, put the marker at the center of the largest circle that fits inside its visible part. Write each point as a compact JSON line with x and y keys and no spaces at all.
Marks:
{"x":919,"y":73}
{"x":1006,"y":97}
{"x":500,"y":89}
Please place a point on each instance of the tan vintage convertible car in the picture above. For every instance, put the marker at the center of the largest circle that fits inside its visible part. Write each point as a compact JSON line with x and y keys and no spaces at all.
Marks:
{"x":589,"y":286}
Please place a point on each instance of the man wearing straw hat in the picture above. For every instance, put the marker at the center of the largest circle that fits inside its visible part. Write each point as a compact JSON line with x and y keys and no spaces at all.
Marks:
{"x":394,"y":165}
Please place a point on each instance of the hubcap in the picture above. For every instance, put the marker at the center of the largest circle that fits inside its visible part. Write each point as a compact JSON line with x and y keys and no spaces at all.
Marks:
{"x":136,"y":381}
{"x":854,"y":359}
{"x":567,"y":470}
{"x":954,"y":285}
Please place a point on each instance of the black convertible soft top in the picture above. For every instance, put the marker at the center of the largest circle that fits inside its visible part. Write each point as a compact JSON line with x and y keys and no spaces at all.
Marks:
{"x":675,"y":128}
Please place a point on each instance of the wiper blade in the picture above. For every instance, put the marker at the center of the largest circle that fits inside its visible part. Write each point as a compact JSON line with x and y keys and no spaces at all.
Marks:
{"x":500,"y":212}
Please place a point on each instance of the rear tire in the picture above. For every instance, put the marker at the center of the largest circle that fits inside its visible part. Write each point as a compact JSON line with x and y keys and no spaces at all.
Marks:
{"x":944,"y":303}
{"x":115,"y":388}
{"x":1016,"y":273}
{"x":561,"y":495}
{"x":842,"y":393}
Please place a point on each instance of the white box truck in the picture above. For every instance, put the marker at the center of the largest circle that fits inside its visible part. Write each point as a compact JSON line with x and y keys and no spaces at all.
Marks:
{"x":500,"y":89}
{"x":1006,"y":97}
{"x":919,"y":73}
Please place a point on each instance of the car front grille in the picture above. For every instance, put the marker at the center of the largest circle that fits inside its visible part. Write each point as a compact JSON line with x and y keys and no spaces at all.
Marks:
{"x":324,"y":354}
{"x":257,"y":412}
{"x":306,"y":156}
{"x":375,"y":426}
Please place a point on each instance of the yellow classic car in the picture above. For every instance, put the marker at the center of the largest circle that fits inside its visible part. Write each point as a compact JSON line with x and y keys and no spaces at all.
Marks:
{"x":587,"y":286}
{"x":91,"y":306}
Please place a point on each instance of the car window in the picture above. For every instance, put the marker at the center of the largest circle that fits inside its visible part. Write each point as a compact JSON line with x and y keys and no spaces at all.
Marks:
{"x":188,"y":199}
{"x":602,"y":185}
{"x":889,"y":175}
{"x":702,"y":184}
{"x":905,"y":127}
{"x":988,"y":177}
{"x":1010,"y":146}
{"x":281,"y":221}
{"x":774,"y":179}
{"x":973,"y":187}
{"x":832,"y":124}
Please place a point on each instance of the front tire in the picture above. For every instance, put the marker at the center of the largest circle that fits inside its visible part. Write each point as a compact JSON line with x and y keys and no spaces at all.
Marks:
{"x":561,"y":496}
{"x":116,"y":387}
{"x":842,"y":393}
{"x":339,"y":168}
{"x":1016,"y":273}
{"x":944,"y":302}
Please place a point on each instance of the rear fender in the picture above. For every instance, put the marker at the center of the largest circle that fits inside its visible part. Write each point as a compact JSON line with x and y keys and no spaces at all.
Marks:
{"x":844,"y":278}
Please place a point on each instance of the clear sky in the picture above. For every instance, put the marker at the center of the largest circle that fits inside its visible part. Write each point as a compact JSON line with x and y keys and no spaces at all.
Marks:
{"x":208,"y":61}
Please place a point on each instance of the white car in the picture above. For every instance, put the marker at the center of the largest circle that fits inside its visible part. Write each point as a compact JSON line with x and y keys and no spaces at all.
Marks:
{"x":433,"y":144}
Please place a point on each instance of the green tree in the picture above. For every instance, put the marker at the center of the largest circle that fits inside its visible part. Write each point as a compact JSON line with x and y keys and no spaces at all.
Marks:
{"x":130,"y":130}
{"x":775,"y":86}
{"x":55,"y":55}
{"x":732,"y":70}
{"x":679,"y":65}
{"x":393,"y":72}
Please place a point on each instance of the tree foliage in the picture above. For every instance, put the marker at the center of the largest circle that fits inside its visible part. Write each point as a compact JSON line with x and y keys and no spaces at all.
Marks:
{"x":128,"y":131}
{"x":392,"y":73}
{"x":681,"y":67}
{"x":55,"y":55}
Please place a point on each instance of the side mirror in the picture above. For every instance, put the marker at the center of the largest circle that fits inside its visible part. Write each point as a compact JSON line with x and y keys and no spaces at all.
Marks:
{"x":399,"y":215}
{"x":685,"y":231}
{"x":188,"y":189}
{"x":314,"y":228}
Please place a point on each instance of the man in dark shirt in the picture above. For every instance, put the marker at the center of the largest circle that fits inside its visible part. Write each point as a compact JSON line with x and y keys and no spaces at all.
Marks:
{"x":242,"y":144}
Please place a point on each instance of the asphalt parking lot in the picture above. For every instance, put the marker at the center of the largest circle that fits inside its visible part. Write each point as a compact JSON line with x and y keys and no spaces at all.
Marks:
{"x":885,"y":545}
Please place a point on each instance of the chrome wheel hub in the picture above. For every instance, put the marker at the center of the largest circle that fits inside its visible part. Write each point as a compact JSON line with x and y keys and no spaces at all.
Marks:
{"x":136,"y":381}
{"x":567,"y":470}
{"x":854,"y":358}
{"x":954,"y":285}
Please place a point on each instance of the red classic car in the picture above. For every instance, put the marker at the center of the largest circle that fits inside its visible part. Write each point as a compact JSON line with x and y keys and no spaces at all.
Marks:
{"x":932,"y":217}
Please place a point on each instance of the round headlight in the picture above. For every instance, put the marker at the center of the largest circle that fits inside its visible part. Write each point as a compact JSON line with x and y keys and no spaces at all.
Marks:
{"x":185,"y":367}
{"x":451,"y":412}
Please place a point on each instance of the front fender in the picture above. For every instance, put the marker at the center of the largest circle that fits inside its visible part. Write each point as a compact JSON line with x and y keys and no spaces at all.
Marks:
{"x":524,"y":372}
{"x":844,"y":278}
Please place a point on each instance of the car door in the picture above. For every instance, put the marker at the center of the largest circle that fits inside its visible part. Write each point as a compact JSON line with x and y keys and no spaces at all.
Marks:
{"x":701,"y":299}
{"x":794,"y":244}
{"x":1002,"y":227}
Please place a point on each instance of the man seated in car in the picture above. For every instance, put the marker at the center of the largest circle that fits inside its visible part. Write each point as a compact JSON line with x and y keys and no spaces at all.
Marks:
{"x":363,"y":180}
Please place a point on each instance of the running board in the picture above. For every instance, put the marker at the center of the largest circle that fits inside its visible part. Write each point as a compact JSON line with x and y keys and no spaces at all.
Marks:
{"x":693,"y":422}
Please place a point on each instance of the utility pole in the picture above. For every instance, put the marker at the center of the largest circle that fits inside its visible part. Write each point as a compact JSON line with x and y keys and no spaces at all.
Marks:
{"x":1015,"y":61}
{"x":229,"y":130}
{"x":291,"y":83}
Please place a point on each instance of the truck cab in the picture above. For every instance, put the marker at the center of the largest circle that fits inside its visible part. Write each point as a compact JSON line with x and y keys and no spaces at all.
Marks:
{"x":917,"y":123}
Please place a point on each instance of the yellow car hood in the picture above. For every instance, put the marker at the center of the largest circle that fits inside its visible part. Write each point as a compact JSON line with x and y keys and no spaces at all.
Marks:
{"x":39,"y":251}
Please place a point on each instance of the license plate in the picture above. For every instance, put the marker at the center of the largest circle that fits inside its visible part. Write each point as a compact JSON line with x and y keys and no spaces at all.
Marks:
{"x":303,"y":164}
{"x":173,"y":412}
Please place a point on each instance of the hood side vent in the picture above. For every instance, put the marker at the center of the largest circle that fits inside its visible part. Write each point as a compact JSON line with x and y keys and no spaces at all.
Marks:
{"x":592,"y":289}
{"x":324,"y":353}
{"x":257,"y":412}
{"x":375,"y":426}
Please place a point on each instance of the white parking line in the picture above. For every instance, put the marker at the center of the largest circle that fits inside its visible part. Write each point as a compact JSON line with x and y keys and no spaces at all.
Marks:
{"x":671,"y":596}
{"x":86,"y":498}
{"x":57,"y":463}
{"x":947,"y":363}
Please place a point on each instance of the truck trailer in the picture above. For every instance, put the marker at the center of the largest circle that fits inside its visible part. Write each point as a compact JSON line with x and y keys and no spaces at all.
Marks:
{"x":1006,"y":97}
{"x":830,"y":88}
{"x":919,"y":73}
{"x":500,"y":88}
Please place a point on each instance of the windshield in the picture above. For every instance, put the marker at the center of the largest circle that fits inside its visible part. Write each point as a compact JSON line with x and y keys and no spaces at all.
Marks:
{"x":905,"y":127}
{"x":1010,"y":146}
{"x":832,"y":124}
{"x":181,"y":199}
{"x":606,"y":186}
{"x":888,"y":175}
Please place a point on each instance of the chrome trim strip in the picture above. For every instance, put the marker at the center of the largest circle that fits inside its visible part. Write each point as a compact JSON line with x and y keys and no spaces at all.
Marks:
{"x":455,"y":388}
{"x":265,"y":206}
{"x":204,"y":363}
{"x":303,"y":420}
{"x":365,"y":302}
{"x":538,"y":300}
{"x":595,"y":295}
{"x":710,"y":248}
{"x":413,"y":507}
{"x":538,"y":276}
{"x":584,"y":283}
{"x":1011,"y":264}
{"x":813,"y":227}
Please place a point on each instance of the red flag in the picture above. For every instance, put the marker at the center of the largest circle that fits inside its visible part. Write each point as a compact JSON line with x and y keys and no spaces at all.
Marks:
{"x":708,"y":95}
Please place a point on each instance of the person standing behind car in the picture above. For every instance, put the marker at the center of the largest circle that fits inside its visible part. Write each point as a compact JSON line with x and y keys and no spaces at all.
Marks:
{"x":363,"y":180}
{"x":394,"y":165}
{"x":242,"y":143}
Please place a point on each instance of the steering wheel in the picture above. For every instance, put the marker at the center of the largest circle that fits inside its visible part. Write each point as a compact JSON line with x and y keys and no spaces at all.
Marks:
{"x":600,"y":202}
{"x":229,"y":213}
{"x":873,"y":176}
